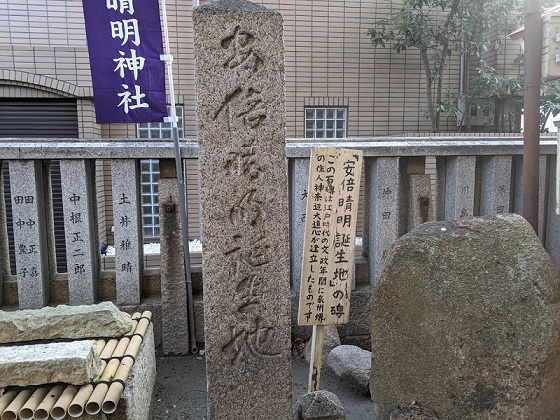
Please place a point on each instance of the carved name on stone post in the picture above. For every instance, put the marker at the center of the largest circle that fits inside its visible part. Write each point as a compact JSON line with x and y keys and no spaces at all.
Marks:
{"x":241,"y":118}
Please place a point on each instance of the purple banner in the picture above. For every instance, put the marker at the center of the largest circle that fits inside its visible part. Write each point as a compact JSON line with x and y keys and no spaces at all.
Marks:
{"x":125,"y":43}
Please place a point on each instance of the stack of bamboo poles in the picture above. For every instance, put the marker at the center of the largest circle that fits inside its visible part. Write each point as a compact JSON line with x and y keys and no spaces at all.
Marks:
{"x":56,"y":401}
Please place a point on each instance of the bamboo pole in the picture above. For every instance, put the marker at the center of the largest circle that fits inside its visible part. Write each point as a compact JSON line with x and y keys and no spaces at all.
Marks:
{"x":100,"y":396}
{"x":121,"y":348}
{"x":118,"y":357}
{"x":135,"y":317}
{"x":134,"y":346}
{"x":27,"y":410}
{"x":109,"y":349}
{"x":142,"y":326}
{"x":44,"y":408}
{"x":6,"y":400}
{"x":93,"y":405}
{"x":11,"y":412}
{"x":58,"y":412}
{"x":114,"y":392}
{"x":77,"y":404}
{"x":100,"y":346}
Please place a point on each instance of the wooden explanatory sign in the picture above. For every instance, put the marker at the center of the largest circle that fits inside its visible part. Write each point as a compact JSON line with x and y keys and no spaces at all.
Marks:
{"x":329,"y":242}
{"x":330,"y":236}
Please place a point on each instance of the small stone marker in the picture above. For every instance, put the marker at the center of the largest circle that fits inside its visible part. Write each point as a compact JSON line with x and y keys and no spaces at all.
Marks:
{"x":126,"y":208}
{"x":459,"y":194}
{"x":174,"y":311}
{"x":381,"y":224}
{"x":78,"y":202}
{"x":495,"y":189}
{"x":28,"y":217}
{"x":239,"y":61}
{"x":63,"y":321}
{"x":299,"y":178}
{"x":75,"y":362}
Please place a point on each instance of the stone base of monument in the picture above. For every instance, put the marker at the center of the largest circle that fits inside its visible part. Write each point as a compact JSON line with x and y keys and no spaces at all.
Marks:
{"x":136,"y":398}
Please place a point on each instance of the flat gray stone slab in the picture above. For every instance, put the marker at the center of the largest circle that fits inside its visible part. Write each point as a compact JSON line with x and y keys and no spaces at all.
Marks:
{"x":68,"y":322}
{"x":75,"y":362}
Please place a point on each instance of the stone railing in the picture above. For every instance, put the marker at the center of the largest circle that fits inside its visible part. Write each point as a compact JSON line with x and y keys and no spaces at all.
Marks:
{"x":411,"y":180}
{"x":406,"y":181}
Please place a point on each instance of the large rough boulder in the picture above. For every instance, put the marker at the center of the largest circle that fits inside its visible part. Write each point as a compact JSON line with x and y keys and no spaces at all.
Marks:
{"x":466,"y":320}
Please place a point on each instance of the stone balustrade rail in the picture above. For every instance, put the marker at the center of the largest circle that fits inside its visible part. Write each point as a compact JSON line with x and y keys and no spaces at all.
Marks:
{"x":407,"y":180}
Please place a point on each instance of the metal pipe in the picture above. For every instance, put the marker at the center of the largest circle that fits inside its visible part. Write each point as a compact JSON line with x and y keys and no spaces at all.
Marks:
{"x":181,"y":187}
{"x":531,"y":105}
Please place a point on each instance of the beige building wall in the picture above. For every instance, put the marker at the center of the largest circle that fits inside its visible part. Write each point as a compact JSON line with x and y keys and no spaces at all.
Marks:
{"x":329,"y":62}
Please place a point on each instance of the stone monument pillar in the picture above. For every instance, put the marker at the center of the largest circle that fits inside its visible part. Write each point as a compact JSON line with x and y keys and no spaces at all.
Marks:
{"x":127,"y":211}
{"x":30,"y":238}
{"x":174,"y":311}
{"x":244,"y":191}
{"x":80,"y":228}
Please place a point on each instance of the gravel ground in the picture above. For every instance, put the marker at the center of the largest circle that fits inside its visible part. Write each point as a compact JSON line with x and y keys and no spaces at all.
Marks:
{"x":181,"y":389}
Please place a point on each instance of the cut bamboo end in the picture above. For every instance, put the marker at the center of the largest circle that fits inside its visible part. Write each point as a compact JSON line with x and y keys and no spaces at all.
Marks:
{"x":142,"y":326}
{"x":27,"y":410}
{"x":58,"y":412}
{"x":93,"y":405}
{"x":112,"y":398}
{"x":77,"y":404}
{"x":11,"y":412}
{"x":147,"y":314}
{"x":6,"y":400}
{"x":44,"y":408}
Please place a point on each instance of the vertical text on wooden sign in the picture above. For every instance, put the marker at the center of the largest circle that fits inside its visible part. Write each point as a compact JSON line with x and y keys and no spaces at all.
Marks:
{"x":330,"y":235}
